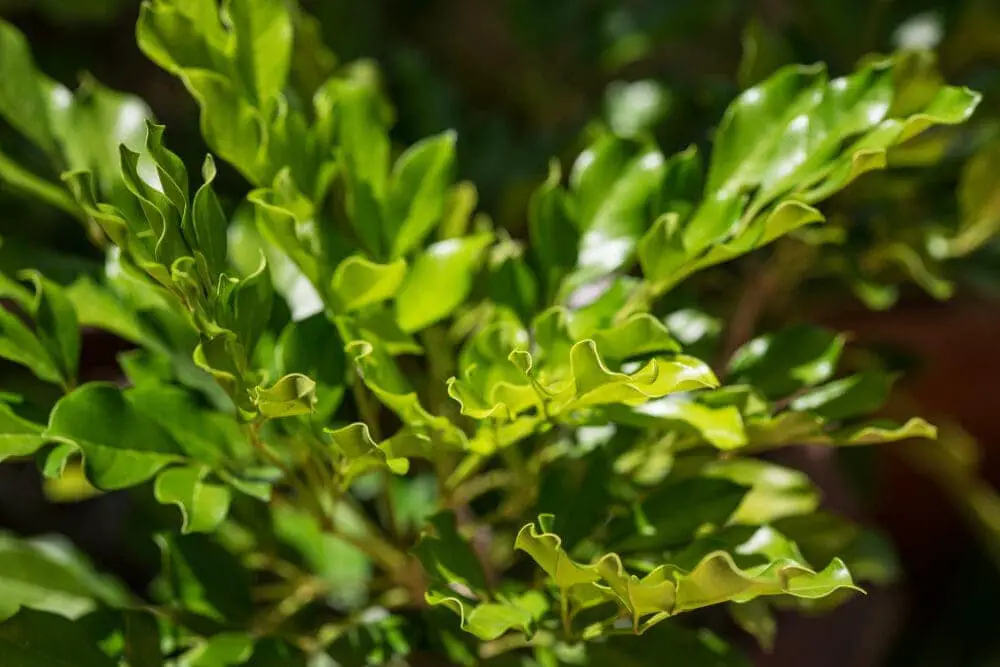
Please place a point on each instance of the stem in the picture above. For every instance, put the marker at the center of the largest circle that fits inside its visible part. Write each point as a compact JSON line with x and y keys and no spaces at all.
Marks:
{"x":567,"y":626}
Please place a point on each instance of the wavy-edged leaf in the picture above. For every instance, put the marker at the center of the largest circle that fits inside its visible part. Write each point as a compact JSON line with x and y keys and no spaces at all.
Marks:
{"x":203,"y":505}
{"x":791,"y":140}
{"x":595,"y":384}
{"x":294,"y":394}
{"x":361,"y":454}
{"x":713,"y":578}
{"x":121,"y":446}
{"x":384,"y":378}
{"x":639,"y":335}
{"x":485,"y":620}
{"x":358,"y":282}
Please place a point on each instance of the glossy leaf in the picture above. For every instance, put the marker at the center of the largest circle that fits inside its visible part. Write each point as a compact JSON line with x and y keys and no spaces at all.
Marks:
{"x":358,"y":282}
{"x":203,"y":505}
{"x":18,"y":436}
{"x":122,"y":446}
{"x":713,"y":578}
{"x":781,"y":363}
{"x":439,"y":281}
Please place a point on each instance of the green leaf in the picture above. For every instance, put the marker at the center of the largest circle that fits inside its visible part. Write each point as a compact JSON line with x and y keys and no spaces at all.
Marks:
{"x":358,"y":282}
{"x":487,"y":620}
{"x":781,"y":363}
{"x":448,"y":559}
{"x":209,"y":221}
{"x":714,"y":577}
{"x":639,"y":335}
{"x":91,"y":124}
{"x":18,"y":436}
{"x":552,"y":231}
{"x":346,"y":570}
{"x":722,"y":427}
{"x":613,"y":181}
{"x":755,"y":618}
{"x":26,"y":640}
{"x":20,"y":345}
{"x":362,"y":455}
{"x":775,"y":491}
{"x":121,"y":445}
{"x":440,"y":281}
{"x":416,"y":199}
{"x":384,"y":378}
{"x":293,"y":394}
{"x":859,"y":394}
{"x":673,"y":514}
{"x":263,"y":30}
{"x":223,"y":650}
{"x":98,"y":307}
{"x":142,"y":640}
{"x":685,"y":646}
{"x":203,"y":505}
{"x":22,"y":95}
{"x":595,"y":384}
{"x":49,"y":574}
{"x":56,"y":325}
{"x":207,"y":579}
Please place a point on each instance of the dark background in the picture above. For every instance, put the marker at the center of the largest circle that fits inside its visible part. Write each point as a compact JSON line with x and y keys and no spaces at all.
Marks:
{"x":520,"y":80}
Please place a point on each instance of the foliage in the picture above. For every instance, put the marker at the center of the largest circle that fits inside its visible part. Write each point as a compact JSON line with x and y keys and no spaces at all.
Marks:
{"x":385,"y":426}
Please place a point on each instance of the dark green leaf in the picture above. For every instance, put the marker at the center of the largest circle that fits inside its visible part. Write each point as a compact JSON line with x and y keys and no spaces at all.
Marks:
{"x":39,"y":639}
{"x":121,"y":445}
{"x":781,"y":363}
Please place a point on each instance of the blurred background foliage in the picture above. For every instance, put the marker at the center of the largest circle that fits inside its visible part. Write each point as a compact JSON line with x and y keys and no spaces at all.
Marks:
{"x":523,"y":81}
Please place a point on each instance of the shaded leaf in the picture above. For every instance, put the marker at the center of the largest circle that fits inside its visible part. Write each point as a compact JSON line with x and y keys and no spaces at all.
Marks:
{"x":49,"y":574}
{"x":26,"y":640}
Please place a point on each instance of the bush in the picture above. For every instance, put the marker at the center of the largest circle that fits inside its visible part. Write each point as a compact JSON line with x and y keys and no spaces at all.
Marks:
{"x":392,"y":430}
